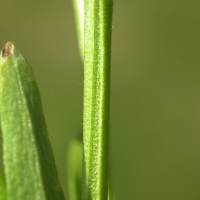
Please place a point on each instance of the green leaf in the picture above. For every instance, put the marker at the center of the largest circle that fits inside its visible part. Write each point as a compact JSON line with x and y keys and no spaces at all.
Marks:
{"x":30,"y":169}
{"x":75,"y":160}
{"x":2,"y":186}
{"x":97,"y":53}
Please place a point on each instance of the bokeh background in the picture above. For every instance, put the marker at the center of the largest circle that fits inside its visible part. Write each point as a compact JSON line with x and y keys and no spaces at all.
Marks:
{"x":155,"y":89}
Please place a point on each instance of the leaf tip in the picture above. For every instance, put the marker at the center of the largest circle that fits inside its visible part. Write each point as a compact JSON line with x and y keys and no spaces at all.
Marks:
{"x":7,"y":49}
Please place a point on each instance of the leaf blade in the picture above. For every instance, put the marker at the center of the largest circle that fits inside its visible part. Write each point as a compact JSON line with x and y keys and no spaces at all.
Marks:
{"x":29,"y":164}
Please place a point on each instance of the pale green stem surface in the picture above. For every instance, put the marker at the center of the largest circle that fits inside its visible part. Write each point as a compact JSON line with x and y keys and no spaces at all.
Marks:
{"x":97,"y":56}
{"x":30,"y":170}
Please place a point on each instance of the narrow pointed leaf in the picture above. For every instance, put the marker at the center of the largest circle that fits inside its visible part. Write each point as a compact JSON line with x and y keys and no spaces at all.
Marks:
{"x":30,"y":169}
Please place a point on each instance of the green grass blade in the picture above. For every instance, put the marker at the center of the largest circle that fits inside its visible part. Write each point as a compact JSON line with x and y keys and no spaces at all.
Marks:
{"x":75,"y":160}
{"x":97,"y":53}
{"x":30,"y":169}
{"x":2,"y":186}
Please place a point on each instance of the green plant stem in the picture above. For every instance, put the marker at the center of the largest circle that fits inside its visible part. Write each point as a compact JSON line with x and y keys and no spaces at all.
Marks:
{"x":97,"y":56}
{"x":79,"y":14}
{"x":75,"y":166}
{"x":30,"y":169}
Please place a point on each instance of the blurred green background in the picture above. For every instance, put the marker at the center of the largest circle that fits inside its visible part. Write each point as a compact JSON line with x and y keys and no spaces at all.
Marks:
{"x":155,"y":89}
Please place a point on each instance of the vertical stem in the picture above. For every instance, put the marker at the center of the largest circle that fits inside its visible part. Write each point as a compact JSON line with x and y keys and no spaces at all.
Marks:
{"x":97,"y":56}
{"x":79,"y":14}
{"x":75,"y":160}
